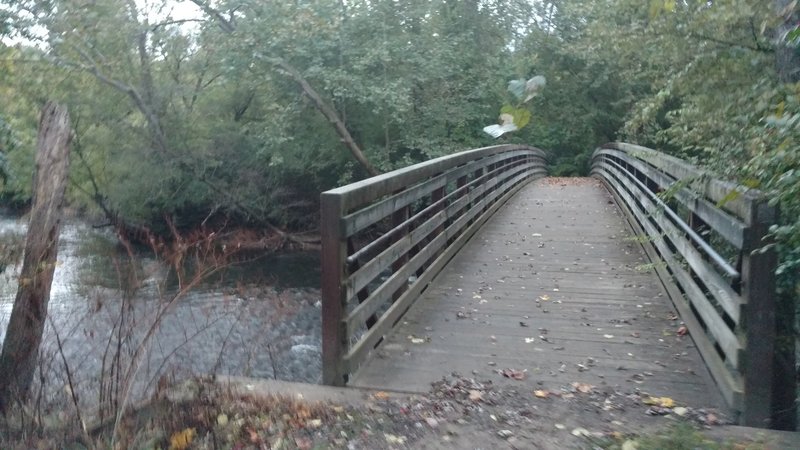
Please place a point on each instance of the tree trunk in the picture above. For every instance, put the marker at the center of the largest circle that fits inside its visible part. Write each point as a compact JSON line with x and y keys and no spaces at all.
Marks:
{"x":24,"y":334}
{"x":787,"y":57}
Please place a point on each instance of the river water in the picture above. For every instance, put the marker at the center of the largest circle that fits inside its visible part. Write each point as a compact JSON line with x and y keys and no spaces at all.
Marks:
{"x":258,"y":319}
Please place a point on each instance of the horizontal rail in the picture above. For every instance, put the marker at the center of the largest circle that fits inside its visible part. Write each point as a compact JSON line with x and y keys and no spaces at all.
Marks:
{"x":710,"y":240}
{"x":384,"y":240}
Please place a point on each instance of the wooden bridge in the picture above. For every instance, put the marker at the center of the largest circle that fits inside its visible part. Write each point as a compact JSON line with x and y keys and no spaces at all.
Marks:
{"x":650,"y":274}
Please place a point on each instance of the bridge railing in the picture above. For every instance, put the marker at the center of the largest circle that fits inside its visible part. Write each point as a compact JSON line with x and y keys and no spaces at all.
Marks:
{"x":711,"y":238}
{"x":385,"y":238}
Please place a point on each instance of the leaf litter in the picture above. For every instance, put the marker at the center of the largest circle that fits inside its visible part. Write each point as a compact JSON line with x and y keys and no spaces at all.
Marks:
{"x":456,"y":411}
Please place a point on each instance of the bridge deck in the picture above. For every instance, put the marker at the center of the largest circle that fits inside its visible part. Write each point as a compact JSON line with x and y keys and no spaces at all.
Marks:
{"x":553,"y":285}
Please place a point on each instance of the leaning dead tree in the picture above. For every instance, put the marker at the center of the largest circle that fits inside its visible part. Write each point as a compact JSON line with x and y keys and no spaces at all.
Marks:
{"x":26,"y":325}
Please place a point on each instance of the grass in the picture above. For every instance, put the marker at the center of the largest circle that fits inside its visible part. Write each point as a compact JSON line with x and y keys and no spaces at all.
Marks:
{"x":680,"y":436}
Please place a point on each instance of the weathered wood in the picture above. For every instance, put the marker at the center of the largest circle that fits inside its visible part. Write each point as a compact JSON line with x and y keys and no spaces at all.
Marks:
{"x":694,"y":295}
{"x":430,"y":205}
{"x":758,"y":290}
{"x":20,"y":352}
{"x":751,"y":377}
{"x":722,"y":291}
{"x":486,"y":306}
{"x":399,"y":277}
{"x":364,"y":192}
{"x":333,"y":256}
{"x":361,"y":350}
{"x":728,"y":226}
{"x":373,"y":213}
{"x":701,"y":182}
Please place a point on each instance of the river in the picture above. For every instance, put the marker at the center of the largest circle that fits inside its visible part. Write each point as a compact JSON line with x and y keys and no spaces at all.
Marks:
{"x":258,"y":319}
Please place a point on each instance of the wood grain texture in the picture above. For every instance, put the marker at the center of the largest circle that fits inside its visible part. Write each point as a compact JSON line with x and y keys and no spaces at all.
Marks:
{"x":554,"y":284}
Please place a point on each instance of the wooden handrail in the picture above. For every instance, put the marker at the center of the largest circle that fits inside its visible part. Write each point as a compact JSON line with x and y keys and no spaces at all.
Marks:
{"x":385,"y":238}
{"x":709,"y":240}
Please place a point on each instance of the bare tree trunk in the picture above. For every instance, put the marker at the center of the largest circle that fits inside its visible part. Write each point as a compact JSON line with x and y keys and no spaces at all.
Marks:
{"x":787,"y":56}
{"x":26,"y":326}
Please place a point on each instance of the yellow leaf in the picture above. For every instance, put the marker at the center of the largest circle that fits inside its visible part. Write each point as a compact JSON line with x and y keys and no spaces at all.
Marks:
{"x":664,"y":402}
{"x":541,"y":393}
{"x":655,"y":8}
{"x":182,"y":439}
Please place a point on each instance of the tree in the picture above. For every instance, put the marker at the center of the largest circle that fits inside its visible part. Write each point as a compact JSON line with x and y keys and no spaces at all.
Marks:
{"x":19,"y":357}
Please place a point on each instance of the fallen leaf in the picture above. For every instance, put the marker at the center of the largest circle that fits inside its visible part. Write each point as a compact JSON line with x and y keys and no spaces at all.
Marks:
{"x":314,"y":423}
{"x":416,"y":340}
{"x":475,"y":395}
{"x":380,"y":395}
{"x":505,"y":434}
{"x":182,"y":439}
{"x":680,"y":410}
{"x":664,"y":402}
{"x":513,"y":374}
{"x":303,"y":443}
{"x":541,"y":393}
{"x":584,"y":388}
{"x":396,"y":440}
{"x":580,"y":432}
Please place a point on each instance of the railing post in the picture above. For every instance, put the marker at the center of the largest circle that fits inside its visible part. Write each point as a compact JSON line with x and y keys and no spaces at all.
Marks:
{"x":758,"y":291}
{"x":398,"y":217}
{"x":333,"y":258}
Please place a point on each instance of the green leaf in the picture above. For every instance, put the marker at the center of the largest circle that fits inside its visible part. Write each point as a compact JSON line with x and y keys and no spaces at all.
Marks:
{"x":655,"y":8}
{"x":793,"y":36}
{"x":521,"y":115}
{"x":731,"y":196}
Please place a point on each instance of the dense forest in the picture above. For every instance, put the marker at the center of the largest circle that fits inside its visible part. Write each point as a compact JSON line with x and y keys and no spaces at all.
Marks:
{"x":242,"y":110}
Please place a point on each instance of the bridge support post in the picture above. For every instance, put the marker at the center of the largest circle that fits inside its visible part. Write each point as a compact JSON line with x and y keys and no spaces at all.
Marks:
{"x":768,"y":393}
{"x":333,"y":258}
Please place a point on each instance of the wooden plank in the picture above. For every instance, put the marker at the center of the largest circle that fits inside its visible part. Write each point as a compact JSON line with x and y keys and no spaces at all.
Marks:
{"x":729,"y":383}
{"x":723,"y":293}
{"x":363,"y":192}
{"x":375,"y":266}
{"x":673,"y":366}
{"x":714,"y":189}
{"x":724,"y":336}
{"x":758,"y":287}
{"x":399,"y":228}
{"x":334,"y":252}
{"x":375,"y":212}
{"x":728,"y":226}
{"x":660,"y":206}
{"x":360,"y":350}
{"x":400,"y":276}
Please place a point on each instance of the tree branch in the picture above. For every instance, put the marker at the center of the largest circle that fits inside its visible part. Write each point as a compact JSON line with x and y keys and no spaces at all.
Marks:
{"x":319,"y":103}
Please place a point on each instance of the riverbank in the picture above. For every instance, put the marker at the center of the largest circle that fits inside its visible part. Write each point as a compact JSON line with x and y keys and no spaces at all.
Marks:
{"x":111,"y":310}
